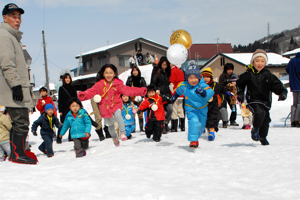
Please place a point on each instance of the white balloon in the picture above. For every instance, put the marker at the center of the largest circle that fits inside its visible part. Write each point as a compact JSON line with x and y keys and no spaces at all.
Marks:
{"x":97,"y":98}
{"x":138,"y":98}
{"x":177,"y":54}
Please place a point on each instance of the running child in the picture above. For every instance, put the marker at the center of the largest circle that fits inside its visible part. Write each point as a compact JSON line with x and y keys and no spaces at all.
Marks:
{"x":128,"y":111}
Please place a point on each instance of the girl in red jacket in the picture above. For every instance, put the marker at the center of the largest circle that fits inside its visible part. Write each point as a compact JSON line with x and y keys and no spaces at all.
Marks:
{"x":154,"y":105}
{"x":43,"y":100}
{"x":110,"y":87}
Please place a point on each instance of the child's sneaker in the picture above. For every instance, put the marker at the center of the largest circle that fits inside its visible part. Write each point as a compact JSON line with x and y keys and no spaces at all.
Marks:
{"x":247,"y":127}
{"x":123,"y":137}
{"x":211,"y":134}
{"x":255,"y":134}
{"x":194,"y":144}
{"x":116,"y":142}
{"x":263,"y":141}
{"x":84,"y":152}
{"x":50,"y":155}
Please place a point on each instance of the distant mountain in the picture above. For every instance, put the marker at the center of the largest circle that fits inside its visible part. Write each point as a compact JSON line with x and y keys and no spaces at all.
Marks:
{"x":279,"y":42}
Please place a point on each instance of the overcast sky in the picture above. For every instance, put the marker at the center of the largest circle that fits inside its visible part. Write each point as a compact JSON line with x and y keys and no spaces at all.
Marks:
{"x":70,"y":24}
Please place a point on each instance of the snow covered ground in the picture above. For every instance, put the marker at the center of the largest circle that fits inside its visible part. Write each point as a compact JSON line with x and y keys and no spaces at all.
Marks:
{"x":231,"y":167}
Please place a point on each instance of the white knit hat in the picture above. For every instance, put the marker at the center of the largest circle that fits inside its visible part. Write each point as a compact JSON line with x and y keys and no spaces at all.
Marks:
{"x":2,"y":108}
{"x":258,"y":53}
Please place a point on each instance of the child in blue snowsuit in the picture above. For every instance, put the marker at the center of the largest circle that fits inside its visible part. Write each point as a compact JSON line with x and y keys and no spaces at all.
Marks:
{"x":78,"y":120}
{"x":128,"y":109}
{"x":196,"y":94}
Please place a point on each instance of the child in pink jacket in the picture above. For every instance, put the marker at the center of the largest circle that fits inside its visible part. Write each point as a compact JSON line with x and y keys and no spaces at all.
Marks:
{"x":110,"y":87}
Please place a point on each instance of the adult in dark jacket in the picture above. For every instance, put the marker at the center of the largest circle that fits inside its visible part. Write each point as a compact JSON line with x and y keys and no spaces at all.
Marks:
{"x":160,"y":78}
{"x":135,"y":80}
{"x":139,"y":57}
{"x":293,"y":69}
{"x":224,"y":79}
{"x":65,"y":93}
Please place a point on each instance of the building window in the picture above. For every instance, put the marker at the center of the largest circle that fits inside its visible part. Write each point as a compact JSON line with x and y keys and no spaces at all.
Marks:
{"x":124,"y":61}
{"x":102,"y":61}
{"x":87,"y":65}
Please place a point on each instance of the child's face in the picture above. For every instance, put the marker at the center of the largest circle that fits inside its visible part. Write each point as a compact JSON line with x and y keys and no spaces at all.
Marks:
{"x":207,"y":79}
{"x":109,"y":74}
{"x":135,"y":72}
{"x":233,"y":83}
{"x":50,"y":112}
{"x":259,"y":63}
{"x":43,"y":93}
{"x":125,"y":98}
{"x":229,"y":71}
{"x":151,"y":93}
{"x":74,"y":107}
{"x":193,"y":80}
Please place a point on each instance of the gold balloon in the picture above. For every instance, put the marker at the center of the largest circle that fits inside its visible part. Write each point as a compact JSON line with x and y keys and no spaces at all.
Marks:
{"x":181,"y":37}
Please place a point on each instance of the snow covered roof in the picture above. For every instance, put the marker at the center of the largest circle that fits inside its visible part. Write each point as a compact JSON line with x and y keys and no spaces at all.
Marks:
{"x":273,"y":58}
{"x":81,"y":77}
{"x":105,"y":48}
{"x":51,"y":85}
{"x":291,"y":52}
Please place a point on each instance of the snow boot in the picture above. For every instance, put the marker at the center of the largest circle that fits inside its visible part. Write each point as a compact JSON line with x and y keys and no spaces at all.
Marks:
{"x":141,"y":123}
{"x":247,"y":127}
{"x":107,"y":134}
{"x":255,"y":134}
{"x":263,"y":141}
{"x":17,"y":144}
{"x":166,"y":125}
{"x":233,"y":123}
{"x":225,"y":123}
{"x":194,"y":144}
{"x":182,"y":124}
{"x":211,"y":134}
{"x":100,"y":134}
{"x":174,"y":124}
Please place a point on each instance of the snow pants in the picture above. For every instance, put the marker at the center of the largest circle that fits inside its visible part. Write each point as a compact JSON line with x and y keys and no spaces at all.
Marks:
{"x":155,"y":128}
{"x":80,"y":145}
{"x":196,"y":122}
{"x":117,"y":116}
{"x":129,"y":129}
{"x":177,"y":109}
{"x":47,"y":143}
{"x":261,"y":119}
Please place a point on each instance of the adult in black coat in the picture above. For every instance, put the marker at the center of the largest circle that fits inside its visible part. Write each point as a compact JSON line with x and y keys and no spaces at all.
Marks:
{"x":160,"y":78}
{"x":65,"y":93}
{"x":224,"y":79}
{"x":135,"y":80}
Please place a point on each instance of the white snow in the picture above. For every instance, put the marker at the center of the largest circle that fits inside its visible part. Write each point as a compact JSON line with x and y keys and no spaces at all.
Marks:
{"x":231,"y":167}
{"x":291,"y":52}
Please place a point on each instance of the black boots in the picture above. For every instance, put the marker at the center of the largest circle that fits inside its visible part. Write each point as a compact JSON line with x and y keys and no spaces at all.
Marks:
{"x":141,"y":122}
{"x":100,"y":134}
{"x":225,"y":124}
{"x":182,"y":124}
{"x":174,"y":124}
{"x":166,"y":125}
{"x":107,"y":135}
{"x":17,"y":145}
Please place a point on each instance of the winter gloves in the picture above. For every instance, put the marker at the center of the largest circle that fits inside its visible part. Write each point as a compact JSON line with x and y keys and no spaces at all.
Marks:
{"x":201,"y":92}
{"x":34,"y":133}
{"x":174,"y":97}
{"x":282,"y":96}
{"x":17,"y":93}
{"x":228,"y":93}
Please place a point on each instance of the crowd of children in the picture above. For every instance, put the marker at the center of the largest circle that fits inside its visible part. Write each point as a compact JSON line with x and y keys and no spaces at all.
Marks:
{"x":200,"y":97}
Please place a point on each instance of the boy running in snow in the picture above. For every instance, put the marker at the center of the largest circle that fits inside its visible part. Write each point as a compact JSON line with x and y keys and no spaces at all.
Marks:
{"x":46,"y":121}
{"x":260,"y":84}
{"x":197,"y":94}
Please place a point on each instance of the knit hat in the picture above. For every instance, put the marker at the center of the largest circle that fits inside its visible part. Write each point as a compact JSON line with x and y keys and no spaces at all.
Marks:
{"x":48,"y":106}
{"x":258,"y":53}
{"x":192,"y":70}
{"x":207,"y":72}
{"x":2,"y":108}
{"x":233,"y":78}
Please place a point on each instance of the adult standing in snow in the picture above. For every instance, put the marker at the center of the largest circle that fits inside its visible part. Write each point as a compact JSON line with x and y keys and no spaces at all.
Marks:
{"x":293,"y":69}
{"x":160,"y":78}
{"x":65,"y":93}
{"x":14,"y":81}
{"x":224,"y":79}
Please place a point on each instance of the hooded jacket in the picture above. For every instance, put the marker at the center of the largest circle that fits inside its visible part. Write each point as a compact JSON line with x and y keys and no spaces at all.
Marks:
{"x":5,"y":126}
{"x":260,"y":86}
{"x":293,"y":69}
{"x":13,"y":68}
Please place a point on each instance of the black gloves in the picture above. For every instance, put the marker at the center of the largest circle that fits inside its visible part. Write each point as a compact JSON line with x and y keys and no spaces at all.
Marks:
{"x":282,"y":96}
{"x":138,"y":112}
{"x":240,"y":98}
{"x":34,"y":133}
{"x":17,"y":93}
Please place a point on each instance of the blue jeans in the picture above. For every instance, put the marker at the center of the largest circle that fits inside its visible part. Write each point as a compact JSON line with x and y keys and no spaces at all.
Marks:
{"x":47,"y":144}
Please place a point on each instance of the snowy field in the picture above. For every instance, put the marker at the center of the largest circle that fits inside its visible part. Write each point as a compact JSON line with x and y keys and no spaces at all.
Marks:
{"x":231,"y":167}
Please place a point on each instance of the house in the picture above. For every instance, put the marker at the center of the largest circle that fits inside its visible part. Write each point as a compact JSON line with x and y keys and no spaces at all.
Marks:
{"x":276,"y":63}
{"x":36,"y":92}
{"x":291,"y":54}
{"x":119,"y":54}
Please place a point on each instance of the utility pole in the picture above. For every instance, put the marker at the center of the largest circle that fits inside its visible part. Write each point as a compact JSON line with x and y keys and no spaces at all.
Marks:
{"x":80,"y":61}
{"x":46,"y":65}
{"x":217,"y":45}
{"x":268,"y":29}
